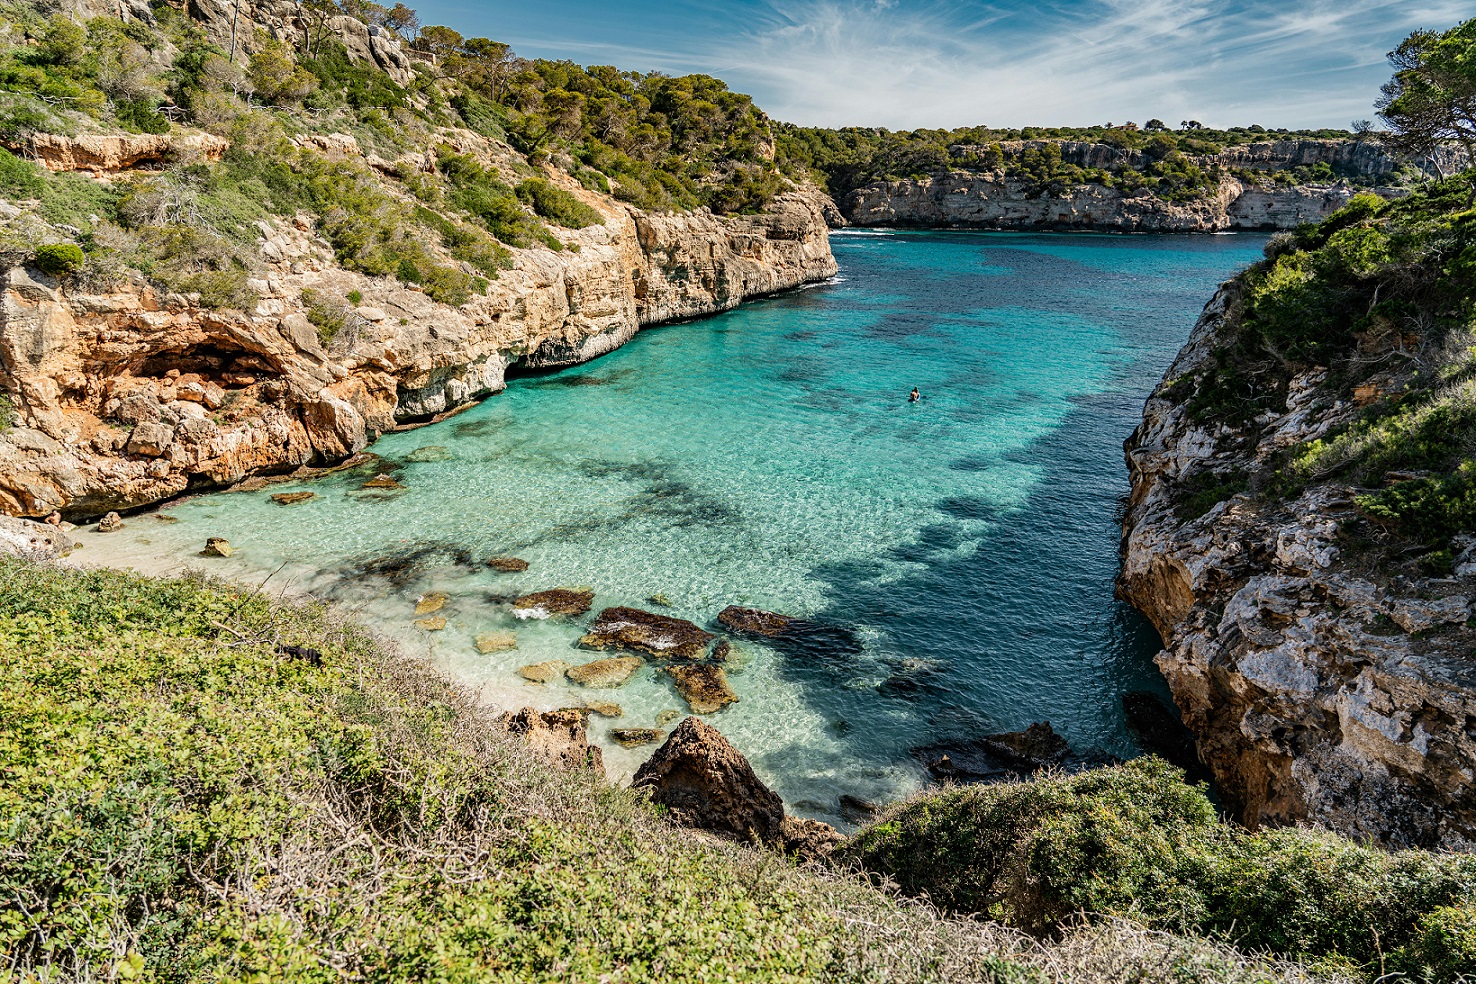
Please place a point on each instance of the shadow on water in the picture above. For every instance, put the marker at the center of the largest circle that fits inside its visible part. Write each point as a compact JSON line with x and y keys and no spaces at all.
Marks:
{"x":959,"y":654}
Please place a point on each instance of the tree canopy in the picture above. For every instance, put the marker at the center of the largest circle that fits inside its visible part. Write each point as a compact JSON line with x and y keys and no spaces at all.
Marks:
{"x":1431,"y":100}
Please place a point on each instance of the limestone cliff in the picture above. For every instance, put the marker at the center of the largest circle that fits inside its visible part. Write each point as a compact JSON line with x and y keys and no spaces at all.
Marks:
{"x":996,"y":201}
{"x":979,"y":192}
{"x":1322,"y":685}
{"x":129,"y":397}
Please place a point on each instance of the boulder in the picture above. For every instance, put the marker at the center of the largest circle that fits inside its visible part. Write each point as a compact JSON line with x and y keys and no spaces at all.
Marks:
{"x":604,"y":673}
{"x":704,"y":686}
{"x":558,"y":738}
{"x":545,"y":672}
{"x":1034,"y":748}
{"x":656,"y":635}
{"x":432,"y":602}
{"x":808,"y":840}
{"x":382,"y":481}
{"x":995,"y":757}
{"x":29,"y":540}
{"x":755,"y":622}
{"x":508,"y":565}
{"x":704,"y":782}
{"x":111,"y":523}
{"x":559,"y":601}
{"x":293,"y":498}
{"x":496,"y":642}
{"x":631,"y":737}
{"x":217,"y":546}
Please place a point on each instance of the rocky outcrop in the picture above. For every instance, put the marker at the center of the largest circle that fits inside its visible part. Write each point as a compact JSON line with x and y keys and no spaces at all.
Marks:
{"x":129,"y":397}
{"x":706,"y":783}
{"x":1319,"y":688}
{"x":557,"y":738}
{"x":995,"y":201}
{"x":660,"y":636}
{"x":117,"y":151}
{"x":32,"y":541}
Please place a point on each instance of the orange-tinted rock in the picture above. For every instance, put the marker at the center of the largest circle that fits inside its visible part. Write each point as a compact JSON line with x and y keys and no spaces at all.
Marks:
{"x":655,"y":635}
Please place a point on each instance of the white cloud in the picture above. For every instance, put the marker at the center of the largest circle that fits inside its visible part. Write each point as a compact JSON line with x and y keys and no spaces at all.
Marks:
{"x":1011,"y":63}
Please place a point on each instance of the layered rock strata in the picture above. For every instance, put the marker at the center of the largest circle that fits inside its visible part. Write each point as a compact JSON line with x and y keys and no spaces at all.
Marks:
{"x":1318,"y":687}
{"x":129,"y":397}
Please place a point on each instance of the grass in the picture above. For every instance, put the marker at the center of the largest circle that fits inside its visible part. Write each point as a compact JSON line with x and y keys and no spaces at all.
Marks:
{"x":181,"y":801}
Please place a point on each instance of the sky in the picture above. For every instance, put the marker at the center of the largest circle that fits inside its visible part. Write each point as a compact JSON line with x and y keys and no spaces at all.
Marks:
{"x":905,"y":64}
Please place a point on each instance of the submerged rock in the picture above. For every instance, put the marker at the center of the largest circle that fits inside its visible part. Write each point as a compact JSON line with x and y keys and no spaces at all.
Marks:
{"x":603,"y":673}
{"x":293,"y":498}
{"x":546,"y":672}
{"x":856,"y":809}
{"x":666,"y":717}
{"x":508,"y":565}
{"x":382,"y":481}
{"x":166,"y":518}
{"x":793,"y":636}
{"x":111,"y":523}
{"x":704,"y":686}
{"x":496,"y":642}
{"x":995,"y":757}
{"x":432,"y":602}
{"x":604,"y":708}
{"x":429,"y":454}
{"x":32,"y":541}
{"x":433,"y":624}
{"x":704,"y":782}
{"x":217,"y":546}
{"x":755,"y":621}
{"x":558,"y":601}
{"x":631,"y":737}
{"x":558,"y":738}
{"x":656,"y":635}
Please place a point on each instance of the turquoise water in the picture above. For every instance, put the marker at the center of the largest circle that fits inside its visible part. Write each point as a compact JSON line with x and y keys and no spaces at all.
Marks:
{"x":769,"y":457}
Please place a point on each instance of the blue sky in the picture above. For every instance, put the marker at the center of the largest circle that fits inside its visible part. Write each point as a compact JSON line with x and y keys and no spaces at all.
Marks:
{"x":914,"y":63}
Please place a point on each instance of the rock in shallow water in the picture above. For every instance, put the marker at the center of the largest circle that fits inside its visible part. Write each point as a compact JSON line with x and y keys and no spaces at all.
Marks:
{"x":432,"y":602}
{"x":217,"y":546}
{"x":508,"y":565}
{"x":428,"y":455}
{"x":603,"y":673}
{"x":794,"y":636}
{"x":111,"y":523}
{"x":995,"y":757}
{"x":558,"y":601}
{"x":604,"y":708}
{"x":546,"y":672}
{"x":293,"y":498}
{"x":496,"y":642}
{"x":433,"y":624}
{"x":704,"y":686}
{"x":656,"y":635}
{"x":631,"y":737}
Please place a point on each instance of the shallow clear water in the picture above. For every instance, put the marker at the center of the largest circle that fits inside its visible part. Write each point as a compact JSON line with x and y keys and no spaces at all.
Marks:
{"x":769,"y":457}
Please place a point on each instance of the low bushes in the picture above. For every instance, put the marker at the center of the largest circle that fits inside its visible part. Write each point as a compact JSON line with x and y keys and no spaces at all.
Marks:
{"x":1136,"y":842}
{"x":60,"y":259}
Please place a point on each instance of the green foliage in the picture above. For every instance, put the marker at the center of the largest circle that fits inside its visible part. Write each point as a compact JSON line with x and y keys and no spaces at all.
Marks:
{"x":275,"y":74}
{"x":140,"y":116}
{"x":7,"y":413}
{"x":1207,"y":489}
{"x":1444,"y":946}
{"x":1428,"y":101}
{"x":60,"y":259}
{"x":1134,"y":841}
{"x":1430,"y":510}
{"x":557,"y":205}
{"x":182,"y":801}
{"x":328,"y":314}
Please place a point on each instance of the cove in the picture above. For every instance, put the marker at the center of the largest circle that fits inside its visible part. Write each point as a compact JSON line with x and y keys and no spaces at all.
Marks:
{"x":964,"y":546}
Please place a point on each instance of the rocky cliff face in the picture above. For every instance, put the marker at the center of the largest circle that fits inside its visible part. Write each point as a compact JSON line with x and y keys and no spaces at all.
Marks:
{"x":127,"y":398}
{"x":995,"y":201}
{"x":1319,"y":686}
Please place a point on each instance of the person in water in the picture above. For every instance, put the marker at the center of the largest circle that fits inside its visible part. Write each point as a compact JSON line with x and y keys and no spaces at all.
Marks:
{"x":915,"y":396}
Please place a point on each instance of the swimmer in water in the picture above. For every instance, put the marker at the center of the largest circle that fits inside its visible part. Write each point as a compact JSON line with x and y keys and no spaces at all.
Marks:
{"x":915,"y":396}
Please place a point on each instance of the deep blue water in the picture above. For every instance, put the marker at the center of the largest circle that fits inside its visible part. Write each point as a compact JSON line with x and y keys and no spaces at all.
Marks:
{"x":769,"y":457}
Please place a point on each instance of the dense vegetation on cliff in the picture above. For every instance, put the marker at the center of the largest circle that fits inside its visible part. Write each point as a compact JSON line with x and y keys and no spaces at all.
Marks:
{"x":1381,"y":298}
{"x":183,"y":798}
{"x":1152,"y":160}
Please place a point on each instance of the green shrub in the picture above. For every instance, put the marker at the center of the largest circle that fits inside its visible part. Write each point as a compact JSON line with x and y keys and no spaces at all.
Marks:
{"x":1135,"y":842}
{"x":140,"y":116}
{"x":60,"y":259}
{"x":1431,"y":510}
{"x":1444,"y":947}
{"x":7,"y":413}
{"x":558,"y":205}
{"x":327,"y":314}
